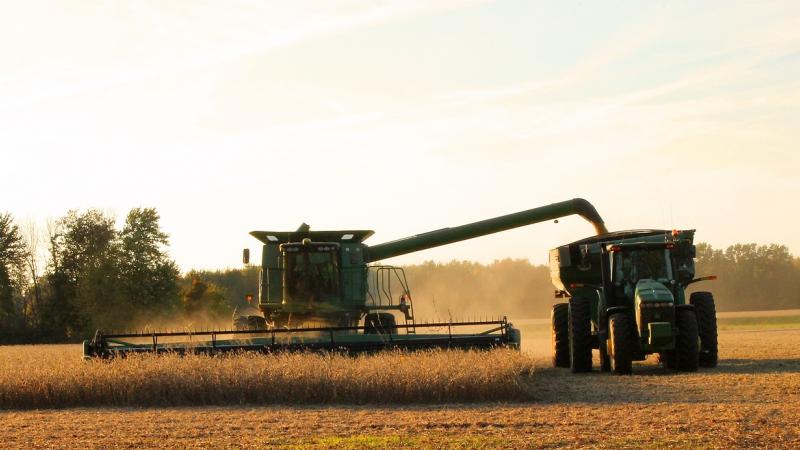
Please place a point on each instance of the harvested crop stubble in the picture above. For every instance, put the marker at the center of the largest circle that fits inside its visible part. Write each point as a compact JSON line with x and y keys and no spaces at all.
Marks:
{"x":55,"y":376}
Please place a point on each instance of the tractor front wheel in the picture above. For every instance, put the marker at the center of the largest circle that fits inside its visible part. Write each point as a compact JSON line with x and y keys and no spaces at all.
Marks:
{"x":707,"y":327}
{"x":605,"y":360}
{"x":620,"y":353}
{"x":687,"y":342}
{"x":580,"y":334}
{"x":667,"y":359}
{"x":559,"y":334}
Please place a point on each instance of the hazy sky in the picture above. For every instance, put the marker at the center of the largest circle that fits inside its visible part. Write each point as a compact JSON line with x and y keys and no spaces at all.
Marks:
{"x":231,"y":116}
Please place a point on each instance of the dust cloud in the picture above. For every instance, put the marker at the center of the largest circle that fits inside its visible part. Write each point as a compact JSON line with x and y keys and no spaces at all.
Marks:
{"x":462,"y":290}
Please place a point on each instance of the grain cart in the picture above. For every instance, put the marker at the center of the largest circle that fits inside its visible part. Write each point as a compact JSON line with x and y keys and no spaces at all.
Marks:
{"x":626,"y":296}
{"x":326,"y":290}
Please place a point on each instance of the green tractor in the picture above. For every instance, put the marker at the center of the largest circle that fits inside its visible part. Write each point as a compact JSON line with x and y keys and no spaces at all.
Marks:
{"x":626,"y":294}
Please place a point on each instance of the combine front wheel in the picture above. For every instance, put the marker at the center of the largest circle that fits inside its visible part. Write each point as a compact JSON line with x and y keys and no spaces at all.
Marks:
{"x":707,"y":327}
{"x":243,"y":323}
{"x":380,"y":323}
{"x":580,"y":334}
{"x":560,"y":334}
{"x":620,"y":352}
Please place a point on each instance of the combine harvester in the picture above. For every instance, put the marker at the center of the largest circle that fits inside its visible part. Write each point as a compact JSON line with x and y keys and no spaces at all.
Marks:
{"x":318,"y":291}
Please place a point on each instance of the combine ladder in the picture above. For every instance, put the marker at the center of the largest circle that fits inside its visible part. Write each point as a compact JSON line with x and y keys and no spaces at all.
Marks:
{"x":385,"y":278}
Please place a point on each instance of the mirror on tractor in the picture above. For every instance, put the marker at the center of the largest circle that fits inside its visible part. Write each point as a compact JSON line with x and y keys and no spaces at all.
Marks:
{"x":246,"y":256}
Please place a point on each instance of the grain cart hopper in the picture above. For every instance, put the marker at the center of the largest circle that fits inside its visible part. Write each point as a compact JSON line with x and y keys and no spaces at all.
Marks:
{"x":626,"y":296}
{"x":325,"y":290}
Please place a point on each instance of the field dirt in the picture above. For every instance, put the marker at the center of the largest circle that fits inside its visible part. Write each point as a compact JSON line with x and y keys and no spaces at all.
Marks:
{"x":752,"y":400}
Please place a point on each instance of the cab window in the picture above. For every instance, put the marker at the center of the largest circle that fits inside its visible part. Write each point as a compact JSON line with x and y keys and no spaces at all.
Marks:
{"x":312,"y":275}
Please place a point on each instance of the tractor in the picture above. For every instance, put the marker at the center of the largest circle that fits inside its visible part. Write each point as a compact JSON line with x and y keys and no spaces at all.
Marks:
{"x":626,"y":297}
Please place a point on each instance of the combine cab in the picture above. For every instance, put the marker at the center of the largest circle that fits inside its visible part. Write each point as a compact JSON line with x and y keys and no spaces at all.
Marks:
{"x":626,"y":296}
{"x":326,"y":290}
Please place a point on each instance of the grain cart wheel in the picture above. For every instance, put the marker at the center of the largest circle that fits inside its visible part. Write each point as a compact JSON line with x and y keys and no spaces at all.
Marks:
{"x":620,"y":351}
{"x":580,"y":334}
{"x":707,"y":327}
{"x":380,"y":323}
{"x":559,"y":334}
{"x":687,"y":342}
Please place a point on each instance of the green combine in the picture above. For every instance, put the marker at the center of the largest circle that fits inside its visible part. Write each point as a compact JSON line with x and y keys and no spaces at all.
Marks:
{"x":627,"y":298}
{"x":325,"y":290}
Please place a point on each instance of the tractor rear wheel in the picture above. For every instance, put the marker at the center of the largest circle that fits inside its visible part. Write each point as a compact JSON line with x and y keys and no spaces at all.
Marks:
{"x":580,"y":334}
{"x":380,"y":323}
{"x":620,"y":351}
{"x":559,"y":334}
{"x":687,"y":342}
{"x":707,"y":327}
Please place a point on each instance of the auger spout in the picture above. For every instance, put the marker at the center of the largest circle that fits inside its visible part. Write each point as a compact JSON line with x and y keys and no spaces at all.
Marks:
{"x":446,"y":236}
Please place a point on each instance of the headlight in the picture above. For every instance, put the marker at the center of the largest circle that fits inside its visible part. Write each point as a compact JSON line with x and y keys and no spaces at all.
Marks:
{"x":648,"y":305}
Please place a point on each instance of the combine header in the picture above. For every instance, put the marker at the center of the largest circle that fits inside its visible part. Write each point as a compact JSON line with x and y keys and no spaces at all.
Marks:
{"x":350,"y":339}
{"x":322,"y":290}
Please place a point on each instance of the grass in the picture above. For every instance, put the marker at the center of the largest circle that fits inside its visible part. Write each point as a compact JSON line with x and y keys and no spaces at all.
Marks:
{"x":775,"y":322}
{"x":56,"y":377}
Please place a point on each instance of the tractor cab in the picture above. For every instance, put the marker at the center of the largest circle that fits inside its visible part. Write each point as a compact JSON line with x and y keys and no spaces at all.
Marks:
{"x":634,"y":263}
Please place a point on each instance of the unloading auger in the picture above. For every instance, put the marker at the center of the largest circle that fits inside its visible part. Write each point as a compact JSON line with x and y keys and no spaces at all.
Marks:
{"x":325,"y":290}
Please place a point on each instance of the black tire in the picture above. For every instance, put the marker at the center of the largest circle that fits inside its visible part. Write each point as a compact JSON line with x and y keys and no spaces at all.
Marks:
{"x":559,"y":318}
{"x":687,"y":342}
{"x":605,"y":360}
{"x":620,"y":351}
{"x":380,"y":323}
{"x":580,"y":334}
{"x":240,"y":323}
{"x":706,"y":327}
{"x":243,"y":323}
{"x":667,"y":359}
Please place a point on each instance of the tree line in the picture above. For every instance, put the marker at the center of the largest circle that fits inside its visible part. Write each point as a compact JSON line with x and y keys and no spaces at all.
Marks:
{"x":83,"y":274}
{"x":94,"y":276}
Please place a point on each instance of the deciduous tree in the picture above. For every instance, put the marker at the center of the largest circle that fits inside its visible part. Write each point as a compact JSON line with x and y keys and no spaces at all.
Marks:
{"x":84,"y":275}
{"x":148,"y":275}
{"x":12,"y":268}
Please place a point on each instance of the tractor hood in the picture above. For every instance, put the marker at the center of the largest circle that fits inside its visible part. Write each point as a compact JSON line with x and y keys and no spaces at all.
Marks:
{"x":648,"y":290}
